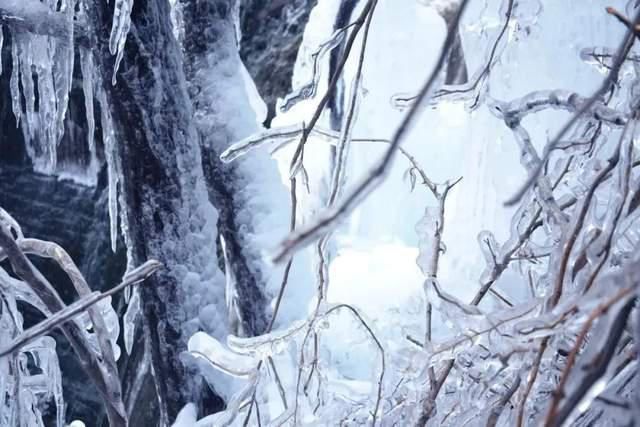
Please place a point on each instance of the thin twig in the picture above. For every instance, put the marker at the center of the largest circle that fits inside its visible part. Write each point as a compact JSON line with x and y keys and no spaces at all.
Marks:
{"x":610,"y":80}
{"x":304,"y":236}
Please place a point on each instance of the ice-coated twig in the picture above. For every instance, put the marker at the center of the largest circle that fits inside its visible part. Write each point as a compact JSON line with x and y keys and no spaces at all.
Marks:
{"x":474,"y":87}
{"x":529,"y":159}
{"x":597,"y":366}
{"x":602,"y":56}
{"x":609,"y":81}
{"x":365,"y":16}
{"x":283,"y":395}
{"x":11,"y":223}
{"x":497,"y":410}
{"x":276,"y":135}
{"x":308,"y":90}
{"x":327,"y":219}
{"x":106,"y":340}
{"x":203,"y":346}
{"x":496,"y":268}
{"x":514,"y":111}
{"x":431,"y":229}
{"x":359,"y":317}
{"x":342,"y":149}
{"x":78,"y":340}
{"x":78,"y":307}
{"x":553,"y":415}
{"x":575,"y":226}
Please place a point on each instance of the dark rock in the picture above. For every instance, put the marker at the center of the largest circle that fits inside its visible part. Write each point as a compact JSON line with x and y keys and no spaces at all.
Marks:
{"x":271,"y":35}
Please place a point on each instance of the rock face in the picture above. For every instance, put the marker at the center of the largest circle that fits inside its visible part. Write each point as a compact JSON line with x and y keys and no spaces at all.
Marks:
{"x":271,"y":35}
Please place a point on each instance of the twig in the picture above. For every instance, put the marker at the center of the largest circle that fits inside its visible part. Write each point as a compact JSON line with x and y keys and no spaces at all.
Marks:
{"x":304,"y":236}
{"x":559,"y":393}
{"x":367,"y":11}
{"x":380,"y":348}
{"x":611,"y":78}
{"x":532,"y":379}
{"x":78,"y":307}
{"x":597,"y":367}
{"x":87,"y":357}
{"x":496,"y":411}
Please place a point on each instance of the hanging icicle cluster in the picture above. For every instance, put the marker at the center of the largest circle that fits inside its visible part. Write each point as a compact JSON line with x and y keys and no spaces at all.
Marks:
{"x":42,"y":77}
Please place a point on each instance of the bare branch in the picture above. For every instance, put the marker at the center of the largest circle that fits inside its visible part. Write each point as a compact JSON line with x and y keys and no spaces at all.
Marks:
{"x":609,"y":81}
{"x":326,"y":220}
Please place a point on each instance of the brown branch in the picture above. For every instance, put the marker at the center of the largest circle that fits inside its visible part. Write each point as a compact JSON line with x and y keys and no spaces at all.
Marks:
{"x":579,"y":215}
{"x":624,"y":20}
{"x":597,"y":366}
{"x":497,"y":410}
{"x":559,"y":393}
{"x":532,"y":379}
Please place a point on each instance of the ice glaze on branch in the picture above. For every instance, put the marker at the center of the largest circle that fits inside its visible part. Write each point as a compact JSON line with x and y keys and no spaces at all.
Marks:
{"x":327,"y":219}
{"x":611,"y":79}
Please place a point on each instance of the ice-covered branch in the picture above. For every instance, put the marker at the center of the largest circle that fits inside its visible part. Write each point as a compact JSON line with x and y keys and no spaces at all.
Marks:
{"x":363,"y":19}
{"x":78,"y":307}
{"x":513,"y":112}
{"x":611,"y":79}
{"x":89,"y":360}
{"x":327,"y":219}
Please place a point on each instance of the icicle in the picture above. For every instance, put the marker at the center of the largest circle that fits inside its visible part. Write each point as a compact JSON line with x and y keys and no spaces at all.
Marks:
{"x":13,"y":82}
{"x":62,"y":70}
{"x":234,"y":316}
{"x":119,"y":31}
{"x":108,"y":136}
{"x":88,"y":70}
{"x":1,"y":43}
{"x":42,"y":75}
{"x":129,"y":320}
